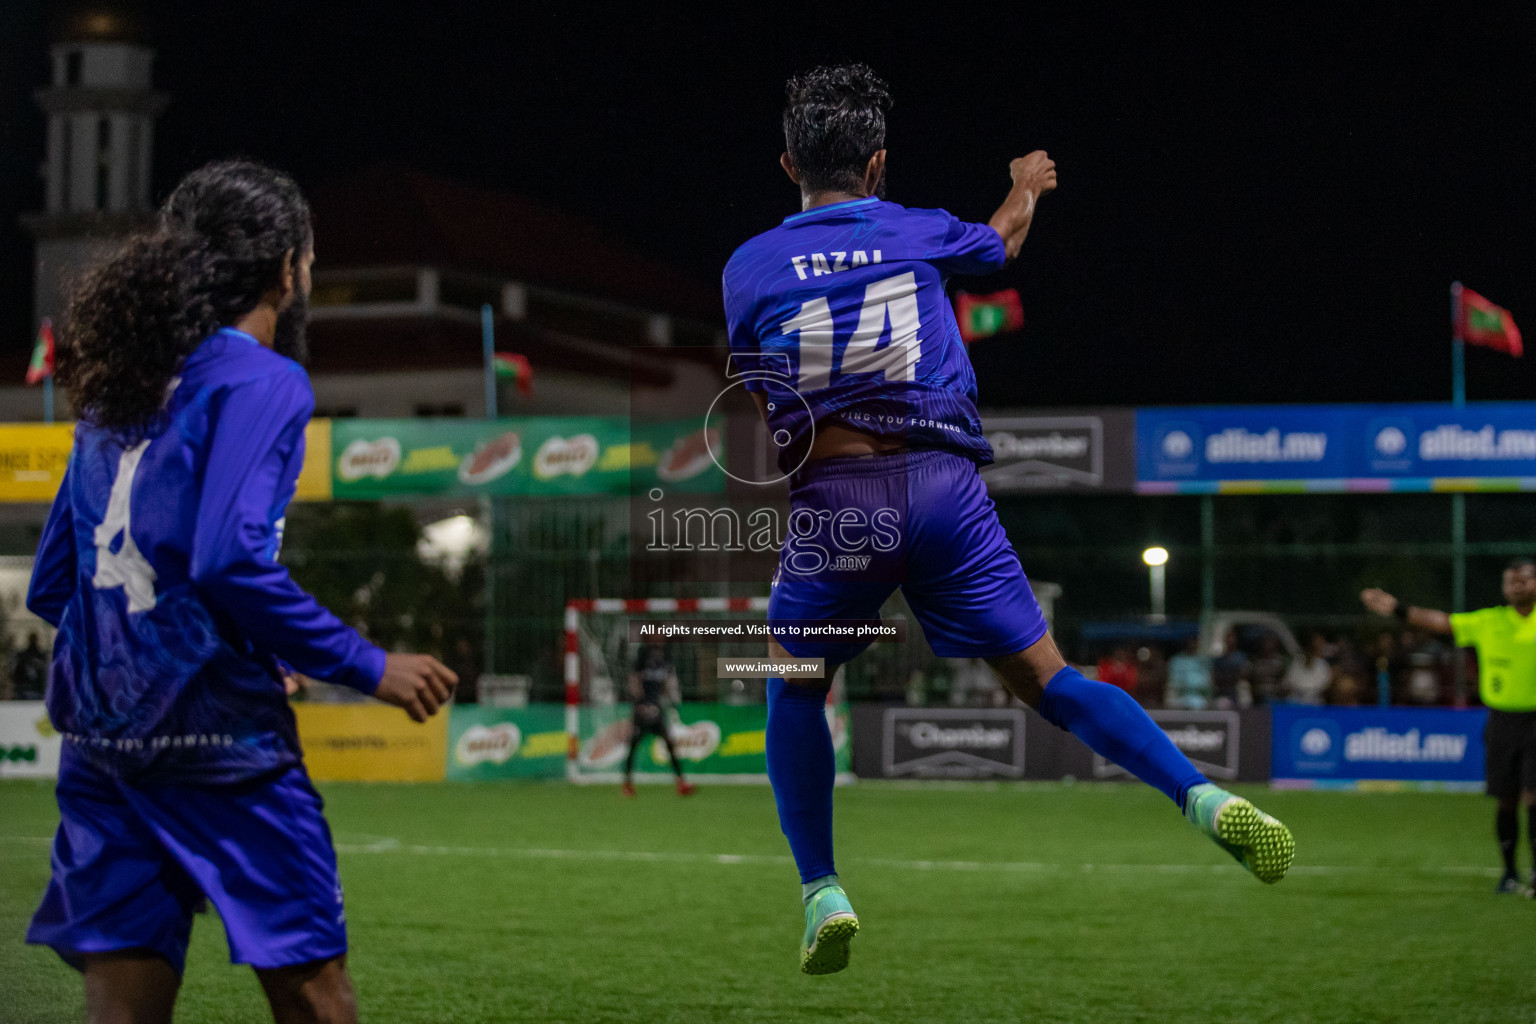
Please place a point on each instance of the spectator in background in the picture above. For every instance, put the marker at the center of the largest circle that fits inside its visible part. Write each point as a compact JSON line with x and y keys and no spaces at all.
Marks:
{"x":1307,"y":679}
{"x":1189,"y":679}
{"x":1353,"y":675}
{"x":29,"y":670}
{"x":1388,"y":663}
{"x":1229,"y":674}
{"x":1268,"y":670}
{"x":1422,"y":685}
{"x":1348,"y":681}
{"x":1151,"y":674}
{"x":1118,"y":668}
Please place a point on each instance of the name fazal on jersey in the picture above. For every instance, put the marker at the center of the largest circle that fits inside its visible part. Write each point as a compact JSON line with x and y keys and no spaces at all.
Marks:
{"x":818,"y":263}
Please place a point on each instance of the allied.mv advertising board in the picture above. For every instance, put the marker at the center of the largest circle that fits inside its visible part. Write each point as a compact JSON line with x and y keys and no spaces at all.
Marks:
{"x":1320,"y":747}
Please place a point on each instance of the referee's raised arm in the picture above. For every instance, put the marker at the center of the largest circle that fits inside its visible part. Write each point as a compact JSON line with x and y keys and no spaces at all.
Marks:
{"x":1382,"y":603}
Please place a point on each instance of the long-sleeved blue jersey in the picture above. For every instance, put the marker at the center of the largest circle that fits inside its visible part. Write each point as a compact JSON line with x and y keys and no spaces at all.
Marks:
{"x":159,"y":567}
{"x":839,"y":315}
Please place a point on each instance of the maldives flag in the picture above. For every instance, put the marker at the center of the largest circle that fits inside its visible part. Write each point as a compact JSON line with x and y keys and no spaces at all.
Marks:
{"x":981,"y":316}
{"x":41,"y":365}
{"x":513,"y":367}
{"x":1480,"y":322}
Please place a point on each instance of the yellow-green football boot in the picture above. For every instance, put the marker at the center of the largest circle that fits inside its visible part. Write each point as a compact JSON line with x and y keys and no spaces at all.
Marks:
{"x":830,"y":925}
{"x":1257,"y":841}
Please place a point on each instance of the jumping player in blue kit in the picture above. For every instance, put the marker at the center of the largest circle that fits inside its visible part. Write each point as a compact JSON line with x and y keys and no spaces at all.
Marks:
{"x":181,"y":777}
{"x":841,"y":329}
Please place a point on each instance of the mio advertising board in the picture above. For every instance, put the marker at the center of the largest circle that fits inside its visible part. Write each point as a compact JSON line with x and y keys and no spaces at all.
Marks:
{"x":29,"y":746}
{"x":1210,"y":739}
{"x":720,"y":742}
{"x":1338,"y":447}
{"x":507,"y":743}
{"x":1321,"y":746}
{"x":529,"y":455}
{"x":953,"y":743}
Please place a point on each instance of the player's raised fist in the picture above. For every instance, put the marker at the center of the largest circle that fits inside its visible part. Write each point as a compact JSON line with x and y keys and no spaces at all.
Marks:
{"x":419,"y":683}
{"x":1036,"y":172}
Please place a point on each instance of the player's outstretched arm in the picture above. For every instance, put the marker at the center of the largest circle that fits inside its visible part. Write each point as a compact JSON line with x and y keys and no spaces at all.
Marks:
{"x":1382,"y":603}
{"x":1033,"y":176}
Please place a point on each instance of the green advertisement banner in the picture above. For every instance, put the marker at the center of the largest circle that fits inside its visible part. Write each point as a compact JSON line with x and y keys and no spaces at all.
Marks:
{"x":530,"y":742}
{"x":711,"y":739}
{"x":532,"y":455}
{"x":506,"y":743}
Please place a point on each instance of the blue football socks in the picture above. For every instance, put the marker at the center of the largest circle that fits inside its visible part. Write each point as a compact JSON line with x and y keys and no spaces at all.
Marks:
{"x":1113,"y":725}
{"x":802,"y":769}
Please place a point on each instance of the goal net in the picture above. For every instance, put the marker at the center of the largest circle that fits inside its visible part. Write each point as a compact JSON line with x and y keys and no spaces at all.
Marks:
{"x":719,"y":729}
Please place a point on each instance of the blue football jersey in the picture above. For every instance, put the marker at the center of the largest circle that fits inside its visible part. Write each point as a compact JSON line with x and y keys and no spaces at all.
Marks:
{"x":839,"y":315}
{"x":159,"y":567}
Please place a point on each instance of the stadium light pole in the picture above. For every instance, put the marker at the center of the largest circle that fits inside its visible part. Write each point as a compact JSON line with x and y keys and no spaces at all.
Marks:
{"x":1157,"y":562}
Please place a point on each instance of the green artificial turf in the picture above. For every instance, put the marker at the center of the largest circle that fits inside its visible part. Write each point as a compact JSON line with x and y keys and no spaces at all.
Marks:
{"x":1041,"y":903}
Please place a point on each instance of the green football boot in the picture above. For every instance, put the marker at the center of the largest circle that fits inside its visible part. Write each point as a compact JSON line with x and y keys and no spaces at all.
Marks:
{"x":830,"y":925}
{"x":1257,"y":841}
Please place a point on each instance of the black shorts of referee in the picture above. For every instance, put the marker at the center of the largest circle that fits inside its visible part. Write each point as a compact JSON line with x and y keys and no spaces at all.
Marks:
{"x":1510,"y":742}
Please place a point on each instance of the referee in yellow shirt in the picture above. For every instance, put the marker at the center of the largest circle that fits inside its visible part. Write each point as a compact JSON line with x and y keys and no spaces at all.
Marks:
{"x":1505,"y":639}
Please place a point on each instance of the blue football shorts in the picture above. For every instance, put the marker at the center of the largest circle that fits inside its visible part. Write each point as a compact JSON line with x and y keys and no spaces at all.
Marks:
{"x":131,"y":863}
{"x":861,"y":526}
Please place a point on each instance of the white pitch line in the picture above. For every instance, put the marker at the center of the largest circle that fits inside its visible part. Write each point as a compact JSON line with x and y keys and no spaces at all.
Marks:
{"x":1010,"y":867}
{"x":387,"y":844}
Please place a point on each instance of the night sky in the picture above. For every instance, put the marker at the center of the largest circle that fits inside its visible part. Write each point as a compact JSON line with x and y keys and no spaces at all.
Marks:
{"x":1253,"y":207}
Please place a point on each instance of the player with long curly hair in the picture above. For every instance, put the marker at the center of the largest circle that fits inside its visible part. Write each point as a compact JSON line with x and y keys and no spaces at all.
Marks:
{"x":181,"y":777}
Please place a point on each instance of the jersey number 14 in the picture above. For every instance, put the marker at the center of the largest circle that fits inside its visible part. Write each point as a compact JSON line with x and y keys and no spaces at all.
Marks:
{"x":891,"y":302}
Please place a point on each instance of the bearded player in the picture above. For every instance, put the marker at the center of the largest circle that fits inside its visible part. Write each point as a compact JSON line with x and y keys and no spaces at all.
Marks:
{"x":841,"y":330}
{"x":181,"y":777}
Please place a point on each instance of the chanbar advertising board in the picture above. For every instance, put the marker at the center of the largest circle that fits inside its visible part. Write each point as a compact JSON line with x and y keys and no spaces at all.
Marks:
{"x":953,"y":743}
{"x":1212,"y":740}
{"x":1358,"y":448}
{"x":528,"y":456}
{"x":1088,"y":450}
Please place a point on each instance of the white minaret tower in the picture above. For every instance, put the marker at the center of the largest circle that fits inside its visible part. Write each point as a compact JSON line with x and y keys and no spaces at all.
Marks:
{"x":101,"y":109}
